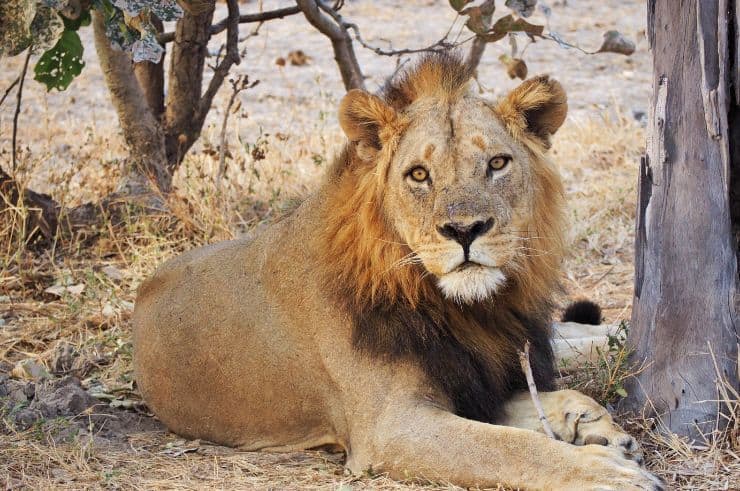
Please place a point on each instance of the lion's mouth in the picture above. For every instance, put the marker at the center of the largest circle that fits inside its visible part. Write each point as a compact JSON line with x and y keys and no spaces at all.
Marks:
{"x":466,"y":265}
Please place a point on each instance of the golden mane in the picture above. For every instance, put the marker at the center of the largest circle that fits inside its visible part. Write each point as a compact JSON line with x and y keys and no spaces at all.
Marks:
{"x":366,"y":262}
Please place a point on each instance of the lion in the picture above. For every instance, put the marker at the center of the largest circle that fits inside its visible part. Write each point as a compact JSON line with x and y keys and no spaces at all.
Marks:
{"x":383,"y":317}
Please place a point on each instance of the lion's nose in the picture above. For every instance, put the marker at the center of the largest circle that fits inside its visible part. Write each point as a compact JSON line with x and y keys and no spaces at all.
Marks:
{"x":465,"y":234}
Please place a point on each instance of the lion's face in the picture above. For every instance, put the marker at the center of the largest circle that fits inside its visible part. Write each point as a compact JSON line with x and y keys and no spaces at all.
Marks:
{"x":463,"y":183}
{"x":459,"y":194}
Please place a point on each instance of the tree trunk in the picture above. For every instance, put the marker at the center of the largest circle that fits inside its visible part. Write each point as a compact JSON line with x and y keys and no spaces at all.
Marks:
{"x":684,"y":320}
{"x":185,"y":85}
{"x":141,"y":130}
{"x":151,"y":79}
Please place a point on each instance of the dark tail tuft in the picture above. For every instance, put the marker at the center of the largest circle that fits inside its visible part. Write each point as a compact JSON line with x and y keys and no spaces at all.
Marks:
{"x":583,"y":312}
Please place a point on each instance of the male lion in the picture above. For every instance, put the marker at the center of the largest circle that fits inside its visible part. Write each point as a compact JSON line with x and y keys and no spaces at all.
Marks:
{"x":384,"y":315}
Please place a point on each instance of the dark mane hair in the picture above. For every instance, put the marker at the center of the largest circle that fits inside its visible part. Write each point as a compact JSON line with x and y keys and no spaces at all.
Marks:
{"x":468,"y":352}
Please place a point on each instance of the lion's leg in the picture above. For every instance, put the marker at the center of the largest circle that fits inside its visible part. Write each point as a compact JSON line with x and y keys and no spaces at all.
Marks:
{"x":424,"y":441}
{"x":575,"y":418}
{"x":575,"y":343}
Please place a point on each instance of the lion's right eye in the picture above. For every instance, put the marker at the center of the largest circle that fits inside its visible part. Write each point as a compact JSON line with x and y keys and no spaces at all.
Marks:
{"x":419,"y":174}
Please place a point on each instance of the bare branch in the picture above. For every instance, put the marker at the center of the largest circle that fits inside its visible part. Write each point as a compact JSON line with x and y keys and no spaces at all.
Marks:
{"x":223,"y":24}
{"x":10,"y":88}
{"x":475,"y":54}
{"x":241,"y":83}
{"x":19,"y":98}
{"x":527,"y":369}
{"x":222,"y":69}
{"x":335,"y":29}
{"x":443,"y":44}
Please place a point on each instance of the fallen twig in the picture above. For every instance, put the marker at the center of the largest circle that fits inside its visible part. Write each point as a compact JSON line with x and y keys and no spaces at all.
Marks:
{"x":527,"y":369}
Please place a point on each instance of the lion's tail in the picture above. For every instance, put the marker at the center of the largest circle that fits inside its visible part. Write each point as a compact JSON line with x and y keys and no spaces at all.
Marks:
{"x":583,"y":312}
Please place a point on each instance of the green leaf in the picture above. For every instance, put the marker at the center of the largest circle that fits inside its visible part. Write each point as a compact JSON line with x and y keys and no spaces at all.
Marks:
{"x":459,"y":4}
{"x":621,"y":391}
{"x":61,"y":64}
{"x":75,"y":24}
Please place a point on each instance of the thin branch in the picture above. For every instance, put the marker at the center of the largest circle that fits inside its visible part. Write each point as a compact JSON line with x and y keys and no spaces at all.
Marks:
{"x":475,"y":54}
{"x":443,"y":44}
{"x":222,"y":69}
{"x":333,"y":27}
{"x":223,"y":24}
{"x":551,"y":36}
{"x":10,"y":87}
{"x":241,"y":83}
{"x":440,"y":45}
{"x":19,"y":98}
{"x":527,"y":369}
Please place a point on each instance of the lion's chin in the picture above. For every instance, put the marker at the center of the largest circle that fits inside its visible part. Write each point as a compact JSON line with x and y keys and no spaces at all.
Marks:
{"x":471,"y":284}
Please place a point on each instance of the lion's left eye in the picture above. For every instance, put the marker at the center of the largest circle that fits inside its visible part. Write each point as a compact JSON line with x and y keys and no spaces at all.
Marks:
{"x":419,"y":174}
{"x":498,"y":162}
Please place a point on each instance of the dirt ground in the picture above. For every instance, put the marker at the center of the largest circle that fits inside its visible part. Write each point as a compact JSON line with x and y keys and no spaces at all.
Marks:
{"x":71,"y":416}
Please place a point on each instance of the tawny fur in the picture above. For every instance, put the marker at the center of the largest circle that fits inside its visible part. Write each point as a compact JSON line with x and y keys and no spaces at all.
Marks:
{"x":329,"y":328}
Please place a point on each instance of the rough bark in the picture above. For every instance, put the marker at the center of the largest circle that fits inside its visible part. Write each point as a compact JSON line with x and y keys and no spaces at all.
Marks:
{"x":221,"y":70}
{"x":144,"y":137}
{"x":686,"y":274}
{"x":187,"y":61}
{"x":151,"y":79}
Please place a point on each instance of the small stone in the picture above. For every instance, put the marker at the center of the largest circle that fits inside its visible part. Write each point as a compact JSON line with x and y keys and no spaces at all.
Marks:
{"x":29,"y":369}
{"x":25,"y":418}
{"x":64,"y":358}
{"x":30,"y":390}
{"x":112,"y":273}
{"x":18,"y":396}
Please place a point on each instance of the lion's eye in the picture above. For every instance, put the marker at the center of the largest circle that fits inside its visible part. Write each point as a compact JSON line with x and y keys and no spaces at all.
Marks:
{"x":419,"y":174}
{"x":498,"y":162}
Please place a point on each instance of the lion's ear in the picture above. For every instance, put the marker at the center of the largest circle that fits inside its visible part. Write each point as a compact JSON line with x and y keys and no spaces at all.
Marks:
{"x":537,"y":107}
{"x":364,"y":117}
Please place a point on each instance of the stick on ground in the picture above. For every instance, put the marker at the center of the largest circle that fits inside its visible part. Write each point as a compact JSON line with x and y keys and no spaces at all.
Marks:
{"x":527,"y":369}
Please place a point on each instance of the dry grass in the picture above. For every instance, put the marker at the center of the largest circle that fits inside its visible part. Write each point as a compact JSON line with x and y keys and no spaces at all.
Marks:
{"x":71,"y":149}
{"x":598,"y":163}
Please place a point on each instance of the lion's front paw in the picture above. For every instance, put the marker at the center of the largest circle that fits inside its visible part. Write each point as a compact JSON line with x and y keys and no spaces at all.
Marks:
{"x":598,"y":428}
{"x":585,"y":422}
{"x":604,"y":468}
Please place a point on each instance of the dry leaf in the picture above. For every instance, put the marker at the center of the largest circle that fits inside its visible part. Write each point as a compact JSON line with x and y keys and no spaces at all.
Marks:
{"x":459,"y":4}
{"x":508,"y":24}
{"x":615,"y":42}
{"x":298,"y":58}
{"x":479,"y":18}
{"x":515,"y":67}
